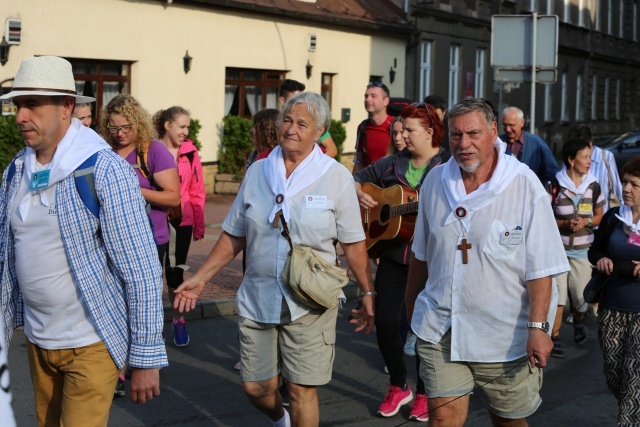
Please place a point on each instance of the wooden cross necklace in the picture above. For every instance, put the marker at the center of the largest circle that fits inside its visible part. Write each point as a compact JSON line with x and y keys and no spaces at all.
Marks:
{"x":464,"y":245}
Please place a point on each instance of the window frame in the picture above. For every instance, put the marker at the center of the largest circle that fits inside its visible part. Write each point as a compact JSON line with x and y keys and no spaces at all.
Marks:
{"x":100,"y":79}
{"x":242,"y":83}
{"x":426,"y":52}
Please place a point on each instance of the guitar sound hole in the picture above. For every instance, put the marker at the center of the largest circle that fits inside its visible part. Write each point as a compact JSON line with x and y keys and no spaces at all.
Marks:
{"x":385,"y":213}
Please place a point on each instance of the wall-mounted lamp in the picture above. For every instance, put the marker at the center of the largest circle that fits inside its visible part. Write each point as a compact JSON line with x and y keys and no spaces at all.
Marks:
{"x":309,"y":68}
{"x":187,"y":62}
{"x":392,"y":75}
{"x":4,"y":51}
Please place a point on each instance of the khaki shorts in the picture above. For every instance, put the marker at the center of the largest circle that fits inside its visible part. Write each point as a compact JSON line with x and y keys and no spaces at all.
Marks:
{"x":573,"y":283}
{"x":302,"y":350}
{"x":510,"y":389}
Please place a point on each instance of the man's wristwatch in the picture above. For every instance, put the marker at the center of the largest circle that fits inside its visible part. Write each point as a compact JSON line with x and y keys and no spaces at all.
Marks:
{"x":590,"y":222}
{"x":540,"y":325}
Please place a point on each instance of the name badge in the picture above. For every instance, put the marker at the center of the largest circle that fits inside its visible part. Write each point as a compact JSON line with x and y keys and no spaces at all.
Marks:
{"x":315,"y":202}
{"x":39,"y":180}
{"x":511,"y":237}
{"x":634,"y":239}
{"x":584,"y":208}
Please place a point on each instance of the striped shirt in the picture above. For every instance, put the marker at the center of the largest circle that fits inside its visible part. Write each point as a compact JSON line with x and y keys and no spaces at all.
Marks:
{"x":599,"y":170}
{"x":113,"y":259}
{"x":566,"y":207}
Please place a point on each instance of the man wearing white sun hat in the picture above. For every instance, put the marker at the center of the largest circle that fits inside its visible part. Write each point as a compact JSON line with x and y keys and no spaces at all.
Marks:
{"x":87,"y":286}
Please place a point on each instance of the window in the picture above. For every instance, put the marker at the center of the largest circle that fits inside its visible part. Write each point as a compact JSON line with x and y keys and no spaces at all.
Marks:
{"x":634,"y":35}
{"x":425,"y":69}
{"x":564,"y":105}
{"x":549,"y":9}
{"x":248,"y":91}
{"x":594,"y":97}
{"x":102,"y":80}
{"x":454,"y":70}
{"x":618,"y":89}
{"x":326,"y":89}
{"x":609,"y":18}
{"x":547,"y":104}
{"x":566,"y":10}
{"x":581,"y":12}
{"x":479,"y":80}
{"x":579,"y":109}
{"x":606,"y":98}
{"x":598,"y":17}
{"x":621,"y":21}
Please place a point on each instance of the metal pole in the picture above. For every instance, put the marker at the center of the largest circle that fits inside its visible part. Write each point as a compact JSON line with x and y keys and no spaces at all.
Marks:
{"x":500,"y":106}
{"x":534,"y":22}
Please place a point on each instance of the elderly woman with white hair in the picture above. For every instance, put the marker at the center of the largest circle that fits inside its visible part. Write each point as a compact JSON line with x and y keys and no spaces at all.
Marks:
{"x":316,"y":196}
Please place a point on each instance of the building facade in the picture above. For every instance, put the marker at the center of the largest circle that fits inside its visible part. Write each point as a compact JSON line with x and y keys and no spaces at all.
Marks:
{"x":598,"y":61}
{"x":240,"y":52}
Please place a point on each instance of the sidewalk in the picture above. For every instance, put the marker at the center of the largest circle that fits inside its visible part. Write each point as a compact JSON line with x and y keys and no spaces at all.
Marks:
{"x":219,"y":295}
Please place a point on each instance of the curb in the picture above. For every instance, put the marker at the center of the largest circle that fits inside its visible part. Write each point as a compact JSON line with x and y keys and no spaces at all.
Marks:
{"x":224,"y":307}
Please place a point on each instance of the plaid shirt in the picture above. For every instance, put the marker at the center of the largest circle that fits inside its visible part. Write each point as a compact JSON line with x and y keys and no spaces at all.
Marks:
{"x":113,"y":259}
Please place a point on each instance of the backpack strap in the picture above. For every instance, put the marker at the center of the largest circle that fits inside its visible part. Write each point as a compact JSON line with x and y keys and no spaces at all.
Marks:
{"x":85,"y":184}
{"x":362,"y":139}
{"x":142,"y":165}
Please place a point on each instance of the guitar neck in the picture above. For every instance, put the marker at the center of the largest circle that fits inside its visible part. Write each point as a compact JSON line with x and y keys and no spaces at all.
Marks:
{"x":406,"y":208}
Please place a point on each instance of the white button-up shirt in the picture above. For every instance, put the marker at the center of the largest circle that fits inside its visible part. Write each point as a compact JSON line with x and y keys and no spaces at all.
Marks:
{"x":326,"y":210}
{"x":485,"y":302}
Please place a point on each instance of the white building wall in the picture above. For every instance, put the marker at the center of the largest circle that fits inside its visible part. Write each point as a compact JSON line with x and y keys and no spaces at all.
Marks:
{"x":156,"y":35}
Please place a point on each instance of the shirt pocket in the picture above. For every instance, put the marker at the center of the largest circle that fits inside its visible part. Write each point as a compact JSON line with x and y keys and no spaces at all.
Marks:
{"x":318,"y":218}
{"x":493,"y":248}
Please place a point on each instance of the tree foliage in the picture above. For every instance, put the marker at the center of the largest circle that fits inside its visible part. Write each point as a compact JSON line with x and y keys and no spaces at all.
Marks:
{"x":339,"y":135}
{"x":236,"y":145}
{"x":10,"y":140}
{"x":194,"y":129}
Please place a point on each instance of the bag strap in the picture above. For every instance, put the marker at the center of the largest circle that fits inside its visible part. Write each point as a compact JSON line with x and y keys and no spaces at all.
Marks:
{"x":606,"y":164}
{"x":286,"y":235}
{"x":285,"y":230}
{"x":595,"y":193}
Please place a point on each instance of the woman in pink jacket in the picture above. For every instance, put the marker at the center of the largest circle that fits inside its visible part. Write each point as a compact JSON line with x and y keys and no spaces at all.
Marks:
{"x":172,"y":126}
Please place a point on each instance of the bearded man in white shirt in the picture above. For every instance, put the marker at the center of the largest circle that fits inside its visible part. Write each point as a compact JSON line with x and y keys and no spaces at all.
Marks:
{"x":485,"y":249}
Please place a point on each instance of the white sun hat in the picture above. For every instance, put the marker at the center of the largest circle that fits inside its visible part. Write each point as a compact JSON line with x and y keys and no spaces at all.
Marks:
{"x":45,"y":75}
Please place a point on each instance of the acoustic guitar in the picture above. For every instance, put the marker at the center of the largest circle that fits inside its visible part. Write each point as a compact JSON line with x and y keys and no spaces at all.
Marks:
{"x":392,"y":221}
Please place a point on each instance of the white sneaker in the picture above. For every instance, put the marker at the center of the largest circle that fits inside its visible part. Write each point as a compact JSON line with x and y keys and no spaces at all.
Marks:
{"x":385,"y":369}
{"x":410,"y":345}
{"x":238,"y":366}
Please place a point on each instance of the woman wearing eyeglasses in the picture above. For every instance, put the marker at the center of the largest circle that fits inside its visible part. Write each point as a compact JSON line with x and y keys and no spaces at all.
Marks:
{"x":127,"y":127}
{"x":422,"y":131}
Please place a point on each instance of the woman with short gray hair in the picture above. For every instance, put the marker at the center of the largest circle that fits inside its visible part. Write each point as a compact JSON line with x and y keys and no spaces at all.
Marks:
{"x":316,"y":196}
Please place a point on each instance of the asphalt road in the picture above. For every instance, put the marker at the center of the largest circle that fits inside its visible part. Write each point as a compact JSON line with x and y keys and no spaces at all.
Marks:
{"x":200,"y":387}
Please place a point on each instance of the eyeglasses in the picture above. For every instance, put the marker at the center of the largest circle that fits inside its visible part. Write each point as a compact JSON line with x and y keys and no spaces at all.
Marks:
{"x":113,"y":130}
{"x":423,"y":104}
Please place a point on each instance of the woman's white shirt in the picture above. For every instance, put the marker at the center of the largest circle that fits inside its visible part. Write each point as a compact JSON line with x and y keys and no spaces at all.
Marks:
{"x":326,"y":210}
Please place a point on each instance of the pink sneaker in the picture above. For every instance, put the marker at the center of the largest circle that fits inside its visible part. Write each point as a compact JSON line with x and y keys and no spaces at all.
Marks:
{"x":394,"y":400}
{"x":419,"y":409}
